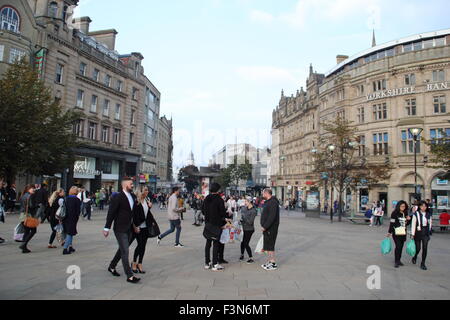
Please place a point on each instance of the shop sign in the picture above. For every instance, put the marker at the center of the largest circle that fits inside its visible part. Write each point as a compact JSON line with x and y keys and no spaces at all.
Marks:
{"x":86,"y":167}
{"x":442,"y":182}
{"x":407,"y":90}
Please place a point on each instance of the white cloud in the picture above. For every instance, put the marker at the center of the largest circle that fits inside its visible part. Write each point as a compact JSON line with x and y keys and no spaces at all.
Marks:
{"x":261,"y":16}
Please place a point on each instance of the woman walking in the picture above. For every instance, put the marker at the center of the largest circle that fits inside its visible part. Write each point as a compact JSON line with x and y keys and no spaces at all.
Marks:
{"x":30,"y":207}
{"x":420,"y":232}
{"x":56,"y":200}
{"x":142,"y":221}
{"x":73,"y":210}
{"x":248,"y":225}
{"x":397,"y":229}
{"x":378,"y":213}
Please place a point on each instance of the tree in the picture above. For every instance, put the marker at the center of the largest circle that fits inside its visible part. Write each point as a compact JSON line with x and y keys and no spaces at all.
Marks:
{"x":36,"y":133}
{"x":189,"y":175}
{"x":234,"y":173}
{"x":440,"y":150}
{"x":341,"y":165}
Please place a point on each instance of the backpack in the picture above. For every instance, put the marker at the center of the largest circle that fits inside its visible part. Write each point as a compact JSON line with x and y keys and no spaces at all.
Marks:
{"x":62,"y":211}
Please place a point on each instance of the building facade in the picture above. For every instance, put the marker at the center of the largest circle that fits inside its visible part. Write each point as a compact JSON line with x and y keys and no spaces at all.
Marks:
{"x":383,"y":91}
{"x":164,"y":154}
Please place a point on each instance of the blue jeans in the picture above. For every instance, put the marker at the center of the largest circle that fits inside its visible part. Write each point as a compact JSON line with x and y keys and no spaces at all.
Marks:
{"x":68,"y":241}
{"x":173,"y":224}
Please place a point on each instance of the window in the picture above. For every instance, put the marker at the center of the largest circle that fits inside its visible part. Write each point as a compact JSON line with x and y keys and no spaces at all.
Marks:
{"x":411,"y":109}
{"x":408,"y":47}
{"x":150,"y":115}
{"x":133,"y":116}
{"x":362,"y":145}
{"x":107,"y":80}
{"x":64,"y":16}
{"x":80,"y":99}
{"x":9,"y":19}
{"x":380,"y":112}
{"x":107,"y":166}
{"x":2,"y":49}
{"x":105,"y":134}
{"x":438,"y":76}
{"x":83,"y":68}
{"x":440,"y":133}
{"x":96,"y":74}
{"x":106,"y":108}
{"x":417,"y":46}
{"x":380,"y":143}
{"x":116,"y":136}
{"x":379,"y":85}
{"x":408,"y":142}
{"x":15,"y":55}
{"x":361,"y":115}
{"x":92,"y":131}
{"x":136,"y":69}
{"x":134,"y":96}
{"x":410,"y":79}
{"x":53,"y":9}
{"x":59,"y":73}
{"x":94,"y":103}
{"x":440,"y":42}
{"x":119,"y":85}
{"x":78,"y":128}
{"x":117,"y":114}
{"x":131,"y":141}
{"x":361,"y":89}
{"x":439,"y":104}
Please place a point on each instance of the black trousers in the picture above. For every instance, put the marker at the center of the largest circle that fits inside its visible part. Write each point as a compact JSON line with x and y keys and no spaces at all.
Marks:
{"x":399,"y":243}
{"x":53,"y":223}
{"x":142,"y":238}
{"x":123,"y":239}
{"x":421,"y":240}
{"x":218,"y":249}
{"x":245,"y":243}
{"x":28,"y":235}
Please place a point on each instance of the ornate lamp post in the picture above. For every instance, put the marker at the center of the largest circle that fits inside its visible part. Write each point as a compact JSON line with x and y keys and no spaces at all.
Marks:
{"x":415,"y":133}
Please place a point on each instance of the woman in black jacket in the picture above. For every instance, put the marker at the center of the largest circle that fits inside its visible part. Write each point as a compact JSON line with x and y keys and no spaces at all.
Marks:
{"x":55,"y":201}
{"x":30,"y":207}
{"x":142,"y":220}
{"x":397,"y":229}
{"x":73,"y":209}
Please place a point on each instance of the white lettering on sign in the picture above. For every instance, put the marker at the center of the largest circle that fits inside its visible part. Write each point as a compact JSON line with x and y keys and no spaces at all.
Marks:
{"x":82,"y":167}
{"x":437,"y":86}
{"x":405,"y":91}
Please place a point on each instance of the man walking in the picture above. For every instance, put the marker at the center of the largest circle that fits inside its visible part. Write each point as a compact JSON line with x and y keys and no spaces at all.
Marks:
{"x":85,"y":202}
{"x":120,"y":212}
{"x":42,"y":202}
{"x":173,"y":212}
{"x":270,"y":220}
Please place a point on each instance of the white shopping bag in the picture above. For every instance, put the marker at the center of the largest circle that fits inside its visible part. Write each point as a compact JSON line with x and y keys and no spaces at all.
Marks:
{"x":225,"y":237}
{"x":260,"y":246}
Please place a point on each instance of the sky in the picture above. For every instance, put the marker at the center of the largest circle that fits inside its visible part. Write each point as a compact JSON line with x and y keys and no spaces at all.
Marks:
{"x":220,"y":65}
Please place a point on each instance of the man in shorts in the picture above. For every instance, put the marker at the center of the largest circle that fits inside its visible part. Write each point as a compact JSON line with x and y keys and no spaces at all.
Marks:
{"x":270,"y":221}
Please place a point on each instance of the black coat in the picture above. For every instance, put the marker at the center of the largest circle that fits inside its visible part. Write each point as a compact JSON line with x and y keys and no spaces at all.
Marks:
{"x":395,"y":222}
{"x":73,"y":209}
{"x":42,"y":196}
{"x":120,"y":213}
{"x":139,"y":216}
{"x":214,"y":210}
{"x":270,"y":217}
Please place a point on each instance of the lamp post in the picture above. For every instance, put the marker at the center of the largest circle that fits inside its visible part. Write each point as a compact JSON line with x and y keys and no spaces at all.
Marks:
{"x":331,"y":149}
{"x":282,"y":159}
{"x":415,"y":133}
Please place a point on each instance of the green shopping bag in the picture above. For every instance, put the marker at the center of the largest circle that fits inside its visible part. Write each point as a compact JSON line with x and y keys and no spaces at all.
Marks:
{"x":411,"y":248}
{"x":386,"y":246}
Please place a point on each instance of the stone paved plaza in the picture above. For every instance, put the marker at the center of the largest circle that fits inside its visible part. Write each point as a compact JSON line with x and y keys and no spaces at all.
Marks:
{"x":318,"y":260}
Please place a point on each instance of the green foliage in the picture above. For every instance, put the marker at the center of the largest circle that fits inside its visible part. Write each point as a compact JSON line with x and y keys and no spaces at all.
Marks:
{"x":189,"y":176}
{"x":234,"y":173}
{"x":440,"y":151}
{"x":36,"y":133}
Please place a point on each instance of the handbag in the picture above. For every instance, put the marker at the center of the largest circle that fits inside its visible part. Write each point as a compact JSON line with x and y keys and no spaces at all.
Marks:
{"x":400,"y":231}
{"x":153,"y":230}
{"x":62,"y":211}
{"x":212,"y":232}
{"x":30,"y":222}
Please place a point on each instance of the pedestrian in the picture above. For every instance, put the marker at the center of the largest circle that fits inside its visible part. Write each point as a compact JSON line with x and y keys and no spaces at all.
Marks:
{"x":397,"y":229}
{"x":73,"y":209}
{"x":181,"y":205}
{"x":444,"y":218}
{"x":173,"y":212}
{"x":195,"y":202}
{"x":56,"y":200}
{"x":142,"y":221}
{"x":215,"y":221}
{"x":286,"y":204}
{"x":102,"y":200}
{"x":42,"y":201}
{"x":378,"y":213}
{"x":248,"y":215}
{"x":231,"y":207}
{"x":270,"y":221}
{"x":420,"y":232}
{"x":83,"y":195}
{"x":121,"y":213}
{"x":11,"y":198}
{"x":30,"y":206}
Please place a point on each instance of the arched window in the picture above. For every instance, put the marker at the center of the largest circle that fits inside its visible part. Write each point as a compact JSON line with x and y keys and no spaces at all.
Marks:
{"x":9,"y":19}
{"x":53,"y":9}
{"x":65,"y":13}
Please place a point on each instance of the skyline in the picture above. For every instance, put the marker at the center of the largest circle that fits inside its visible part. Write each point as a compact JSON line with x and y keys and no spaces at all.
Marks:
{"x":221,"y":65}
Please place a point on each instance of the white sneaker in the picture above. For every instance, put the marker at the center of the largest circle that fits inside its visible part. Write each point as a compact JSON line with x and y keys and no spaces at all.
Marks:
{"x":208,"y":266}
{"x":265,"y":265}
{"x":217,"y":267}
{"x":271,"y":267}
{"x":158,"y":240}
{"x":179,"y":245}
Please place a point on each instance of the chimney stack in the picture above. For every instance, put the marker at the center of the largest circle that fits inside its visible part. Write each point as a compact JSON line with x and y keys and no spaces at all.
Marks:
{"x":107,"y":37}
{"x":82,"y":24}
{"x":341,"y":58}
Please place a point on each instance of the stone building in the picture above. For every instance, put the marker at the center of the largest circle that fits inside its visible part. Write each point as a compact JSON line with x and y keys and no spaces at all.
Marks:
{"x":164,"y":154}
{"x":384,"y":91}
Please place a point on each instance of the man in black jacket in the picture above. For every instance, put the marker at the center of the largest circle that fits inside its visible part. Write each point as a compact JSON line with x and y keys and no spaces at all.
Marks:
{"x":213,"y":209}
{"x":42,"y":201}
{"x":121,"y":213}
{"x":270,"y":220}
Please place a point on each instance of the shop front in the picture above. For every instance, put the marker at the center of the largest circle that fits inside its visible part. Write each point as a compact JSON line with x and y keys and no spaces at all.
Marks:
{"x":440,"y":195}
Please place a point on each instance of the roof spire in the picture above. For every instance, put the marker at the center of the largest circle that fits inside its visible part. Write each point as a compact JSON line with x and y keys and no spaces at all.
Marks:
{"x":311,"y":71}
{"x":374,"y":41}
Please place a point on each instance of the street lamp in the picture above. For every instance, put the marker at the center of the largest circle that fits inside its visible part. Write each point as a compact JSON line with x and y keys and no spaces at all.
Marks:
{"x":415,"y":133}
{"x":282,"y":159}
{"x":331,"y":148}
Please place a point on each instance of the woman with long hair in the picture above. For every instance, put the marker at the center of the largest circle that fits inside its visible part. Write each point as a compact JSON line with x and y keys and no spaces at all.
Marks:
{"x":248,"y":225}
{"x":397,"y":229}
{"x":142,"y":220}
{"x":73,"y":209}
{"x":420,"y":231}
{"x":30,"y":207}
{"x":56,"y":200}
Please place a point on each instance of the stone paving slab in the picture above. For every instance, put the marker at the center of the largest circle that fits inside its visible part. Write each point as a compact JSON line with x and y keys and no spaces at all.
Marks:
{"x":317,"y":260}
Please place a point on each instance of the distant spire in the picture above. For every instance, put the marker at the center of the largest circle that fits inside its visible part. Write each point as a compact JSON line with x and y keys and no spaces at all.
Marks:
{"x":374,"y":41}
{"x":282,"y":92}
{"x":311,"y":71}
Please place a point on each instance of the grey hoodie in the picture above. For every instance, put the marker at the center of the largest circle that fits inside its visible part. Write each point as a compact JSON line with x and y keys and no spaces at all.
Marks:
{"x":248,"y":218}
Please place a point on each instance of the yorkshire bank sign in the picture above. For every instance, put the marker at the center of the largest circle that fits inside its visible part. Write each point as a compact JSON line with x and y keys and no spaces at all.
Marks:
{"x":407,"y":90}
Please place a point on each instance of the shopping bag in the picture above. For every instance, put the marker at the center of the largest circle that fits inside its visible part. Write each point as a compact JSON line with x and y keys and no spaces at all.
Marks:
{"x":386,"y":246}
{"x":225,"y":237}
{"x":260,"y":246}
{"x":60,"y":235}
{"x":19,"y":231}
{"x":411,"y":248}
{"x":238,"y":234}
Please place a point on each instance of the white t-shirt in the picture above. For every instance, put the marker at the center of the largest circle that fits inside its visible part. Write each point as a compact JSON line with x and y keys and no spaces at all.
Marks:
{"x":145,"y":205}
